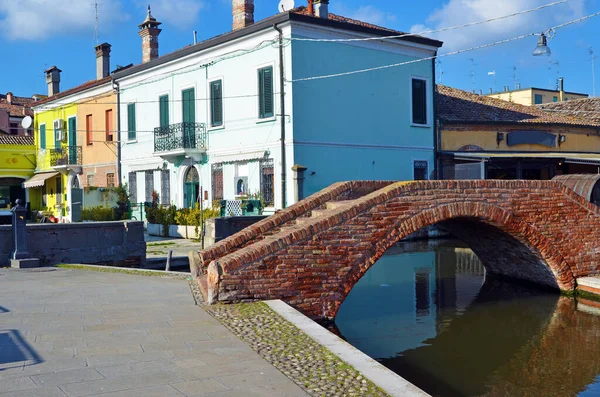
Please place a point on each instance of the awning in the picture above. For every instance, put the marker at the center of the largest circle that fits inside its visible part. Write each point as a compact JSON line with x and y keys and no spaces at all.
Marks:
{"x":575,"y":158}
{"x":234,"y":158}
{"x":38,"y":179}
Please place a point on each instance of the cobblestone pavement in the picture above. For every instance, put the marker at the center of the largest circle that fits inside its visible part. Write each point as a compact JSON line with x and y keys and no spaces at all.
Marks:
{"x":298,"y":356}
{"x":81,"y":333}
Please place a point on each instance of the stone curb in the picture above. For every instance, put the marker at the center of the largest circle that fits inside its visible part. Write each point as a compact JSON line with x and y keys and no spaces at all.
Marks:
{"x":177,"y":275}
{"x":382,"y":377}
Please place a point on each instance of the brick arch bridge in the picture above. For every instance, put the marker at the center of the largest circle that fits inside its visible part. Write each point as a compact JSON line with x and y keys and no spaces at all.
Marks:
{"x":312,"y":253}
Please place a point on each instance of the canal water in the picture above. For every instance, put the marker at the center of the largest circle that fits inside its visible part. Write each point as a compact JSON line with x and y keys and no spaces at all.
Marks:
{"x":428,"y":311}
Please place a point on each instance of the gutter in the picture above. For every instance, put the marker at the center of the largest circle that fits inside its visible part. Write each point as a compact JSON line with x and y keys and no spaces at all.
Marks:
{"x":436,"y":130}
{"x":114,"y":82}
{"x":282,"y":104}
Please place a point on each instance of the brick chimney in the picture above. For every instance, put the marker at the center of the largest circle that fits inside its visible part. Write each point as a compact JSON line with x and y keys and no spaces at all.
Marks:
{"x":243,"y":13}
{"x":9,"y":98}
{"x":149,"y":32}
{"x":53,"y":80}
{"x":102,"y":60}
{"x":322,"y":9}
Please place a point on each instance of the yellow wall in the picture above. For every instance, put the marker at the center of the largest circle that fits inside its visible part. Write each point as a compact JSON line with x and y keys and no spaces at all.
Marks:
{"x":527,"y":96}
{"x":17,"y":161}
{"x":577,"y":139}
{"x":98,"y":152}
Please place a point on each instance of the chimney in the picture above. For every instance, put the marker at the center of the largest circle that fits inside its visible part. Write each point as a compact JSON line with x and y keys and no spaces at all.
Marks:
{"x":149,"y":32}
{"x":322,"y":9}
{"x":243,"y":13}
{"x":561,"y":89}
{"x":491,"y":91}
{"x":9,"y":98}
{"x":102,"y":61}
{"x":53,"y":80}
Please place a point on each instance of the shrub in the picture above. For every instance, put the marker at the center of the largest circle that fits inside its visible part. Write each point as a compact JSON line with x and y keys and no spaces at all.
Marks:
{"x":151,"y":211}
{"x":123,"y":208}
{"x":98,"y":214}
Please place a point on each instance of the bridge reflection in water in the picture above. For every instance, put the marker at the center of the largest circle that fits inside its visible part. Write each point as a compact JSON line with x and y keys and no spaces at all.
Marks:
{"x":428,"y":312}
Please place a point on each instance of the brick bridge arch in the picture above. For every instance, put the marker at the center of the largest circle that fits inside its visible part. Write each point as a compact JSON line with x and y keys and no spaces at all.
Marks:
{"x":313,"y":253}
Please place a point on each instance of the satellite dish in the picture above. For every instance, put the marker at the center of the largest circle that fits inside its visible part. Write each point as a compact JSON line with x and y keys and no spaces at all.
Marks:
{"x":26,"y":122}
{"x":286,"y":5}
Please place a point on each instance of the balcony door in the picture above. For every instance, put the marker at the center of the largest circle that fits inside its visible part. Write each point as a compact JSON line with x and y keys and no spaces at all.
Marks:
{"x":72,"y":141}
{"x":188,"y":98}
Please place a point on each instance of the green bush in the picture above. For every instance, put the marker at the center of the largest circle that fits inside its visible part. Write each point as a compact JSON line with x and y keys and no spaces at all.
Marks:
{"x":123,"y":208}
{"x":98,"y":214}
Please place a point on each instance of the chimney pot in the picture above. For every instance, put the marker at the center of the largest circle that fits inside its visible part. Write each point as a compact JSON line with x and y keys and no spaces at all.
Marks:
{"x":149,"y":32}
{"x":53,"y":80}
{"x":102,"y":60}
{"x":243,"y":13}
{"x":9,"y":97}
{"x":322,"y":9}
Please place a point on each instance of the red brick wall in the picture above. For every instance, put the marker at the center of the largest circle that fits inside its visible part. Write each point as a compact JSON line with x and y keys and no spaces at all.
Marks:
{"x":538,"y":231}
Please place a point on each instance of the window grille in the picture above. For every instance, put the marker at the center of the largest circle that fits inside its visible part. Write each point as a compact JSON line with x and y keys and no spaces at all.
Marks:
{"x":110,"y":179}
{"x":420,"y":170}
{"x":267,"y":182}
{"x":217,"y":181}
{"x":165,"y":187}
{"x":133,"y":187}
{"x":149,"y":176}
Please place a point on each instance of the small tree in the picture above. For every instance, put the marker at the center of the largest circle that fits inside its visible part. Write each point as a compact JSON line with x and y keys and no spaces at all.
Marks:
{"x":123,"y":208}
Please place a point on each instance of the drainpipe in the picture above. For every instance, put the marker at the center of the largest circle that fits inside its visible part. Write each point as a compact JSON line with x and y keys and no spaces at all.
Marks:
{"x":436,"y":130}
{"x":118,"y":131}
{"x":282,"y":99}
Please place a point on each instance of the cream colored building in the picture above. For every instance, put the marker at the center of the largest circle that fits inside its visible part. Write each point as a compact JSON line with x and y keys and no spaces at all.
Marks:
{"x":536,"y":96}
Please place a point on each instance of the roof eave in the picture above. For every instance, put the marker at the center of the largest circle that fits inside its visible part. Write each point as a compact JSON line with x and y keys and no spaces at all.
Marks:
{"x":454,"y":122}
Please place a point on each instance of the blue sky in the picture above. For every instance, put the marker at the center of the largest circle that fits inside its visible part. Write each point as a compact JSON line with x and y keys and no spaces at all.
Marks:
{"x":37,"y":34}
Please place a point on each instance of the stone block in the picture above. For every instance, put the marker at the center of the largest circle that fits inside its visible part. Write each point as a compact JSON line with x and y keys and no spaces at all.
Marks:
{"x":28,"y":263}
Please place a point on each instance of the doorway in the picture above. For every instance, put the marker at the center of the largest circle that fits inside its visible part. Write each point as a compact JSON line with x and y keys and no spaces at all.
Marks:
{"x":76,"y":200}
{"x":191,"y":188}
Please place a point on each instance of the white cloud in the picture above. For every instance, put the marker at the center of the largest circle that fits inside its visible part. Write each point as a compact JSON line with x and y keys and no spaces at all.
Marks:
{"x":460,"y":12}
{"x":43,"y":19}
{"x":366,"y":13}
{"x":178,"y":13}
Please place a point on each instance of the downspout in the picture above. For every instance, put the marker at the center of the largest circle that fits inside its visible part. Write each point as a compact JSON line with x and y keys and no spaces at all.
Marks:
{"x":282,"y":100}
{"x":118,"y":132}
{"x":436,"y":131}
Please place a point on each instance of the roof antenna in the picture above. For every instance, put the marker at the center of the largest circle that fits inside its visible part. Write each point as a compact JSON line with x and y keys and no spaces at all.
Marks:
{"x":96,"y":24}
{"x":311,"y":8}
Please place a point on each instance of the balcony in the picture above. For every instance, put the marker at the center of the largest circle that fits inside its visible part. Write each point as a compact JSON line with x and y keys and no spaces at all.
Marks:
{"x":181,"y":139}
{"x":65,"y":159}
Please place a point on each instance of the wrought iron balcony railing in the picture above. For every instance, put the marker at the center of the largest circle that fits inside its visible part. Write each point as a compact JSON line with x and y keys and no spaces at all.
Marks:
{"x":66,"y":155}
{"x":180,"y":136}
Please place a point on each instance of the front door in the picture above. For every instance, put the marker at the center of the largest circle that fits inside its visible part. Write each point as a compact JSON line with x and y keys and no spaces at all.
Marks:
{"x":76,"y":200}
{"x":191,"y":188}
{"x":72,"y":141}
{"x":189,"y":118}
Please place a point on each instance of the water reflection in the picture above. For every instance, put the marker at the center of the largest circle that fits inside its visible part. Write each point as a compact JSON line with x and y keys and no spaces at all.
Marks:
{"x":428,"y":312}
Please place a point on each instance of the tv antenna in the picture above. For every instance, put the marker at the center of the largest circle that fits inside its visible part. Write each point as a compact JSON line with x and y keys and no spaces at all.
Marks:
{"x":96,"y":23}
{"x":591,"y":50}
{"x":440,"y":70}
{"x":472,"y":74}
{"x":515,"y":77}
{"x":286,"y":5}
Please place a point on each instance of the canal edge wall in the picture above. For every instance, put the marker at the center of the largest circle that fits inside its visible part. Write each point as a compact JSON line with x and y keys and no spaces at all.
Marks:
{"x":388,"y":381}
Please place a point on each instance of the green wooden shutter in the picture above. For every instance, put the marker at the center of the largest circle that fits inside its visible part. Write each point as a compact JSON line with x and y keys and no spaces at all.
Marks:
{"x":164,"y":110}
{"x":265,"y":92}
{"x":131,"y":131}
{"x":43,"y":136}
{"x":189,"y":105}
{"x":216,"y":103}
{"x":72,"y":131}
{"x":56,"y":142}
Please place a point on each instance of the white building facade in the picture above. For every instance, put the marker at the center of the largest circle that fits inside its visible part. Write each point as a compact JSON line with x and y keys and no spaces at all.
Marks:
{"x":208,"y":122}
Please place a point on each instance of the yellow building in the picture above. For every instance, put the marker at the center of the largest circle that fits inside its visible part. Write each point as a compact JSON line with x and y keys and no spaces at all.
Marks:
{"x":17,"y":164}
{"x":75,"y":140}
{"x":482,"y":137}
{"x":536,"y":96}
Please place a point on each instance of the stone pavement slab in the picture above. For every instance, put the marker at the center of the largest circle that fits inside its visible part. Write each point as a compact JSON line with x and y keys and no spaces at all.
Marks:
{"x":82,"y":333}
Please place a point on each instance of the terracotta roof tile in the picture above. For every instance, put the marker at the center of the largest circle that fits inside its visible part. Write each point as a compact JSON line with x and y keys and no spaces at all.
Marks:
{"x":20,"y":106}
{"x":74,"y":90}
{"x":16,"y":140}
{"x":303,"y":10}
{"x":458,"y":106}
{"x":587,"y":109}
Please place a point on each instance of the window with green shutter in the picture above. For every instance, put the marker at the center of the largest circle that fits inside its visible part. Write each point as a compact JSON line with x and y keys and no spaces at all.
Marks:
{"x":189,"y":105}
{"x":216,"y":103}
{"x":131,"y":130}
{"x":265,"y":93}
{"x":163,"y":103}
{"x":43,"y":136}
{"x":419,"y":101}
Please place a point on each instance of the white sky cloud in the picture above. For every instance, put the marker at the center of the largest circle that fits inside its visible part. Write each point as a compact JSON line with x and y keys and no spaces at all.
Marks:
{"x":459,"y":12}
{"x":178,"y":13}
{"x":41,"y":19}
{"x":367,"y":13}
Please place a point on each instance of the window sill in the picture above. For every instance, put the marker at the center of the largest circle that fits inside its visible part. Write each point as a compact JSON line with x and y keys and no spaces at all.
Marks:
{"x":266,"y":120}
{"x":216,"y":128}
{"x":420,"y":125}
{"x":132,"y":141}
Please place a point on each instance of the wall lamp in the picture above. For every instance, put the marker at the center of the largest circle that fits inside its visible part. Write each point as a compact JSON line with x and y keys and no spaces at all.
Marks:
{"x":561,"y":139}
{"x":542,"y":45}
{"x":499,"y":137}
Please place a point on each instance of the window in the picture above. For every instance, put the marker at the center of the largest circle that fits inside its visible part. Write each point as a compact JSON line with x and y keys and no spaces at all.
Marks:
{"x":419,"y":101}
{"x":89,"y":133}
{"x":108,"y":123}
{"x":265,"y":93}
{"x":554,"y":99}
{"x":188,"y":98}
{"x":14,"y":128}
{"x":58,"y":190}
{"x":267,"y":182}
{"x":538,"y":99}
{"x":149,"y":185}
{"x":131,"y":130}
{"x":217,"y":181}
{"x":163,"y":105}
{"x":110,"y":179}
{"x":90,"y":180}
{"x":133,"y":187}
{"x":422,"y":296}
{"x":420,"y":170}
{"x":165,"y":187}
{"x":43,"y":136}
{"x":216,"y":103}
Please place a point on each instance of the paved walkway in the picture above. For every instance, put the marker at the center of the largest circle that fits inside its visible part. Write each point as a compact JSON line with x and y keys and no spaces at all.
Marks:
{"x":82,"y":333}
